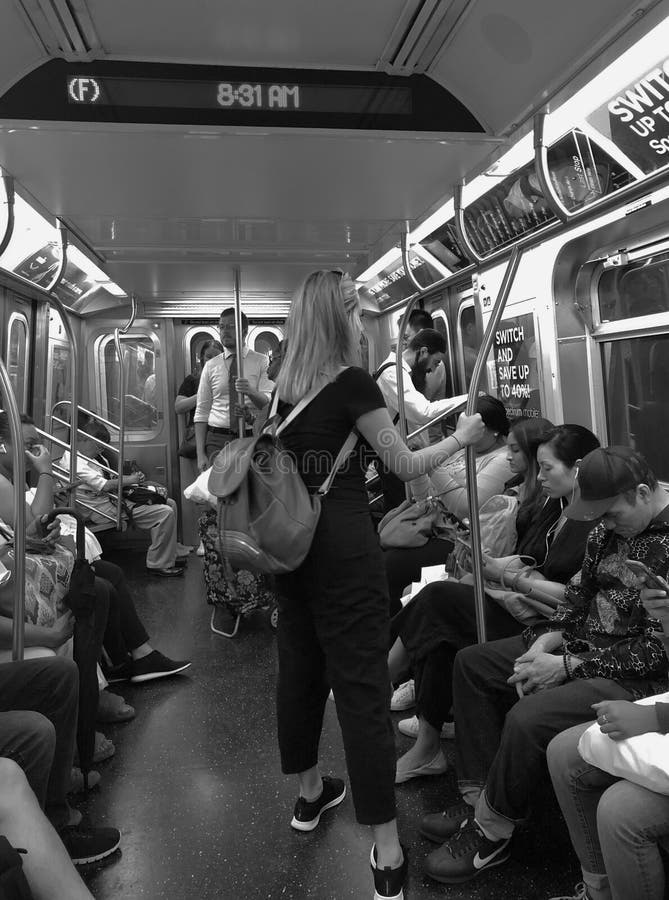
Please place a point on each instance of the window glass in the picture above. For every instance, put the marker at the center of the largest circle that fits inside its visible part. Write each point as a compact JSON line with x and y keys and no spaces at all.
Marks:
{"x":469,"y":342}
{"x":197,"y":341}
{"x":266,"y":342}
{"x":17,"y":358}
{"x":639,"y":290}
{"x":144,"y":394}
{"x":636,"y":387}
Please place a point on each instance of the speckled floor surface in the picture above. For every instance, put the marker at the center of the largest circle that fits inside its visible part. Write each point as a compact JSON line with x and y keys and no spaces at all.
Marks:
{"x":196,"y":789}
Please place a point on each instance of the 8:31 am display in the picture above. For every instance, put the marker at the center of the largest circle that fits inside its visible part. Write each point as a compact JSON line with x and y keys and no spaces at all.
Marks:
{"x":259,"y":96}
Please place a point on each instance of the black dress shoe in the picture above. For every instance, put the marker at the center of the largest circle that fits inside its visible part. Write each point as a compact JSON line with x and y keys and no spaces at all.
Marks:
{"x":171,"y":572}
{"x":180,"y":562}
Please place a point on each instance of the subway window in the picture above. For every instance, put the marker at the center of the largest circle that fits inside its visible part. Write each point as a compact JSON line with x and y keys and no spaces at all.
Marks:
{"x":17,"y":358}
{"x":636,"y":388}
{"x":143,"y":389}
{"x":641,"y":290}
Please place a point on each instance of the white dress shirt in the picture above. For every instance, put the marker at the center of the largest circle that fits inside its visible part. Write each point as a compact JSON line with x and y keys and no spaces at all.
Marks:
{"x":213,"y":396}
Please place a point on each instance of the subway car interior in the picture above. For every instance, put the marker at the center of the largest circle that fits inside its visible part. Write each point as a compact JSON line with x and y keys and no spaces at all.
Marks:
{"x":502,"y":166}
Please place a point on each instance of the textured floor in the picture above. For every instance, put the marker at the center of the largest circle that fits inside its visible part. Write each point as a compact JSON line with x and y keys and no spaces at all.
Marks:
{"x":196,"y":789}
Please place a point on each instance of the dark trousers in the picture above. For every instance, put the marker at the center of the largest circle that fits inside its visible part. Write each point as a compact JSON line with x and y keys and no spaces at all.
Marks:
{"x":38,"y":721}
{"x":215,"y":442}
{"x":333,"y":633}
{"x":455,"y":629}
{"x":403,"y":566}
{"x":500,"y":740}
{"x":124,"y":631}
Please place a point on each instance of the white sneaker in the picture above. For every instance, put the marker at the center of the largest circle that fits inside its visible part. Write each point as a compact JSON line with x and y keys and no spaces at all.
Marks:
{"x":404,"y":697}
{"x":184,"y":549}
{"x":200,"y":550}
{"x":410,"y":728}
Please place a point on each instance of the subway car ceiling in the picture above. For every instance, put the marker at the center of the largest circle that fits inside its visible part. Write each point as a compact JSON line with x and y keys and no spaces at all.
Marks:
{"x":176,"y":141}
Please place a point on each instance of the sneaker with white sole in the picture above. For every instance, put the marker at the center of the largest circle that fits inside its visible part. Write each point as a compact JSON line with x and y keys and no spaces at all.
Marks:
{"x":404,"y":697}
{"x":389,"y":883}
{"x":89,"y":845}
{"x":410,"y":728}
{"x":581,"y":893}
{"x":308,"y":813}
{"x":155,"y":665}
{"x":467,"y":854}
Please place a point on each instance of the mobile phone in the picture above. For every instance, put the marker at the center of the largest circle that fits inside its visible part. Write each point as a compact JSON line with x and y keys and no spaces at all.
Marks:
{"x":651,"y":580}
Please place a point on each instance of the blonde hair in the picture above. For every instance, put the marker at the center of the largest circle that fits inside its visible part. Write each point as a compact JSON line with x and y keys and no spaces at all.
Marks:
{"x":322,"y":334}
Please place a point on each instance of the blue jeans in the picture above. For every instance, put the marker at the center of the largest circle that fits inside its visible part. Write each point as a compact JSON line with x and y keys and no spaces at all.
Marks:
{"x":616,"y":826}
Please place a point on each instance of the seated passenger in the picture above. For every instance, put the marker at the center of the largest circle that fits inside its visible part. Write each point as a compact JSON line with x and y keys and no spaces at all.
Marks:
{"x":449,"y":483}
{"x":513,"y":695}
{"x":46,"y":865}
{"x":96,"y":491}
{"x":441,"y":619}
{"x":38,"y":721}
{"x":619,"y":829}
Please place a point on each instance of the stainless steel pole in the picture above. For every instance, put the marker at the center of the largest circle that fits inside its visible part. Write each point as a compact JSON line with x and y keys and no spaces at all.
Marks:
{"x":19,"y":484}
{"x":470,"y":409}
{"x":239,"y":340}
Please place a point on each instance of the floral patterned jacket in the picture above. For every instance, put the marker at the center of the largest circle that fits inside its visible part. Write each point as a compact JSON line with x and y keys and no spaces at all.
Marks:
{"x":602,"y":618}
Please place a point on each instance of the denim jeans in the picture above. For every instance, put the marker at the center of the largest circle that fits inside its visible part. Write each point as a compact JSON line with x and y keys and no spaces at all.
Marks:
{"x":615,"y":826}
{"x":500,"y":740}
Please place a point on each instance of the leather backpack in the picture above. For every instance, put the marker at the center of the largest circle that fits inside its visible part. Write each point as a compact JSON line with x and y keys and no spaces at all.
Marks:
{"x":266,"y":516}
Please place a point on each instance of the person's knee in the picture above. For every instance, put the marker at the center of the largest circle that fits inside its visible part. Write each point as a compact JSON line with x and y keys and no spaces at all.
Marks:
{"x":14,"y":787}
{"x":467,"y":662}
{"x":63,"y":676}
{"x":37,"y":732}
{"x":558,"y":753}
{"x":620,"y":815}
{"x":524,"y":718}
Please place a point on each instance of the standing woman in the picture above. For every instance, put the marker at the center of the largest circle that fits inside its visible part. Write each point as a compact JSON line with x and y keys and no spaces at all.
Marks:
{"x":333,"y":622}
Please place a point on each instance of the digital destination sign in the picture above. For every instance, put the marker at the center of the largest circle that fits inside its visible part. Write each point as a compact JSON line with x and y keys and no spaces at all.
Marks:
{"x":278,"y":97}
{"x":179,"y":94}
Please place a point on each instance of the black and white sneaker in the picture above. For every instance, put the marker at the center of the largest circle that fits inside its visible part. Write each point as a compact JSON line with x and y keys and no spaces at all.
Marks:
{"x":89,"y":845}
{"x":308,"y":814}
{"x":466,"y":855}
{"x":389,"y":883}
{"x":155,"y":665}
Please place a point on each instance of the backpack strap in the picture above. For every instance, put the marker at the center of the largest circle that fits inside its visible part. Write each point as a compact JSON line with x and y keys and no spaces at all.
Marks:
{"x":378,"y":374}
{"x":347,"y":448}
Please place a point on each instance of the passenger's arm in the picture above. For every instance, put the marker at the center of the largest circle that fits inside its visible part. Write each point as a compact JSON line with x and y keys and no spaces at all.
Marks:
{"x":261,"y":394}
{"x":490,"y":480}
{"x":417,"y":407}
{"x":201,"y":417}
{"x":37,"y":635}
{"x":377,"y":428}
{"x":184,"y":404}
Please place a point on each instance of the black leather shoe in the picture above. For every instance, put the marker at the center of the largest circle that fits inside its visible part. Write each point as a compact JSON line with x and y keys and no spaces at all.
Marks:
{"x":439,"y":827}
{"x":171,"y":572}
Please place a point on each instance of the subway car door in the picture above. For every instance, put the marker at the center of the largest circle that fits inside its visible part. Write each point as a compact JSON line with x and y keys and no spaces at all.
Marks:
{"x":17,"y":345}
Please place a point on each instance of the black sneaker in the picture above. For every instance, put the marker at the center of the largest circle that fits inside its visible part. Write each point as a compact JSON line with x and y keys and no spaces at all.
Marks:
{"x":308,"y":814}
{"x":466,"y":855}
{"x":155,"y":665}
{"x":89,"y":845}
{"x":121,"y":672}
{"x":439,"y":827}
{"x":389,"y":883}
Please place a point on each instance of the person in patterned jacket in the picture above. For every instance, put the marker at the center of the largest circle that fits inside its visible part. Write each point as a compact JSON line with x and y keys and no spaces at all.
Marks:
{"x":512,"y":696}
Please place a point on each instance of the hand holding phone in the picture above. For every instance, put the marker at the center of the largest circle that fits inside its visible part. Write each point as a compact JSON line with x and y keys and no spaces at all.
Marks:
{"x":650,"y":579}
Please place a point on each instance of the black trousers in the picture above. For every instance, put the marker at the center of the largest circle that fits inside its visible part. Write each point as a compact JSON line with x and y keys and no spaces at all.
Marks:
{"x":436,"y":624}
{"x":124,"y":631}
{"x":333,"y":633}
{"x":403,"y":566}
{"x":501,"y":741}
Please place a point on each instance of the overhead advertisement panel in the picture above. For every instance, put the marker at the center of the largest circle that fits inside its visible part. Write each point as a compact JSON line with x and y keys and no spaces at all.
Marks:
{"x":636,"y":118}
{"x":393,"y":285}
{"x":581,"y":173}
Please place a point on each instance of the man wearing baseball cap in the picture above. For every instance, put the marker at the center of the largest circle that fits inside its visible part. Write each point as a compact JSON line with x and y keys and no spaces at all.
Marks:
{"x":513,"y":695}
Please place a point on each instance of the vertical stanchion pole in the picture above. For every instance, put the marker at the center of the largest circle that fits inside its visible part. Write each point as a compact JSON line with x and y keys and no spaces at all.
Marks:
{"x":470,"y":409}
{"x":121,"y":412}
{"x":239,"y":340}
{"x":19,"y":484}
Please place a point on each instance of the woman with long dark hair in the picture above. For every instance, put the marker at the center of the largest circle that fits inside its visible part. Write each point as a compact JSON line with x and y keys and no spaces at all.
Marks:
{"x":333,"y":621}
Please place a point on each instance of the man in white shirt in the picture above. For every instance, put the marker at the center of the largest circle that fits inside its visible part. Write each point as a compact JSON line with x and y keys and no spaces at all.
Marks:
{"x":434,"y":380}
{"x":421,"y":356}
{"x":218,"y":408}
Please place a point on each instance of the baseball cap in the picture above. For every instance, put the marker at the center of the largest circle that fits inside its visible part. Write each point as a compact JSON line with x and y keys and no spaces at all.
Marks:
{"x":603,"y":475}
